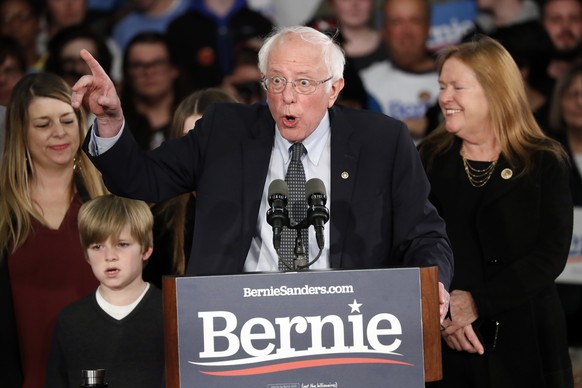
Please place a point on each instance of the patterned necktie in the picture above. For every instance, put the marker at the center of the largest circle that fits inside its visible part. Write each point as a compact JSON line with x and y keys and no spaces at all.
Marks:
{"x":297,"y":206}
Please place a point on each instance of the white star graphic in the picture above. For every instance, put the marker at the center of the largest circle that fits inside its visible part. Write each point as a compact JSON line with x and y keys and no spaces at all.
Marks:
{"x":355,"y":306}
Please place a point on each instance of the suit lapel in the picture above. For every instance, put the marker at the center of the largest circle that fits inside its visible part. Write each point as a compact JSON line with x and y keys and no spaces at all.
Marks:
{"x":344,"y":160}
{"x":256,"y":156}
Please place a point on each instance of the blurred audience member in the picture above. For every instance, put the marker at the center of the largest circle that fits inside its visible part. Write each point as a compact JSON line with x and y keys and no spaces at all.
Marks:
{"x":244,"y":83}
{"x":354,"y":94}
{"x":106,"y":13}
{"x":12,"y":67}
{"x":566,"y":124}
{"x":531,"y":48}
{"x":149,"y":15}
{"x":214,"y":28}
{"x":174,"y":219}
{"x":406,"y":85}
{"x":62,"y":14}
{"x":361,"y":42}
{"x":107,"y":7}
{"x":63,"y":53}
{"x":20,"y":19}
{"x":562,"y":19}
{"x":44,"y":179}
{"x":151,"y":89}
{"x":495,"y":14}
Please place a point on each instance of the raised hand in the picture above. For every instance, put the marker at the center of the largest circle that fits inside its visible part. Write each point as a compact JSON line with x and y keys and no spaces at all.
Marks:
{"x":97,"y":93}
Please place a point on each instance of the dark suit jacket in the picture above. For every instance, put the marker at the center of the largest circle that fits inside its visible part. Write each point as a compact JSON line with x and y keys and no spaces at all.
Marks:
{"x":523,"y":228}
{"x":380,"y":213}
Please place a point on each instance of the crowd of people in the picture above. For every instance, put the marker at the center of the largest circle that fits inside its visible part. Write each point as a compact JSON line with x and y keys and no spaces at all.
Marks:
{"x":471,"y":155}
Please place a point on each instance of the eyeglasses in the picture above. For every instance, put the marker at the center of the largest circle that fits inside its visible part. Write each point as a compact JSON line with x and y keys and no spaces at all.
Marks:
{"x":277,"y":84}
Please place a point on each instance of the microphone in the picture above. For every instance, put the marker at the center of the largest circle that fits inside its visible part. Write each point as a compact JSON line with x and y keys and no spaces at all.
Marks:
{"x":277,"y":215}
{"x":317,"y":213}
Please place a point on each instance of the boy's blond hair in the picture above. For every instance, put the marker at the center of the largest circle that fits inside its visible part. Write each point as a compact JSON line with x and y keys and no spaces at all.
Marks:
{"x":107,"y":215}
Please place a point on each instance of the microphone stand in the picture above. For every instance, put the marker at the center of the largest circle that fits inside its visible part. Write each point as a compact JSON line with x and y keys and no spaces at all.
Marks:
{"x":300,"y":262}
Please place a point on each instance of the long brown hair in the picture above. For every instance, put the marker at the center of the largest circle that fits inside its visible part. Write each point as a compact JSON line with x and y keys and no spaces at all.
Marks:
{"x":16,"y":171}
{"x":513,"y":122}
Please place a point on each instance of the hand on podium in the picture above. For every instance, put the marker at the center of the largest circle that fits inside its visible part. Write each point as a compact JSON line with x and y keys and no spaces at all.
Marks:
{"x":444,"y":299}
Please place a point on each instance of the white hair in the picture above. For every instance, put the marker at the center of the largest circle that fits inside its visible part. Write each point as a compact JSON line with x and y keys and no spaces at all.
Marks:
{"x":331,"y":52}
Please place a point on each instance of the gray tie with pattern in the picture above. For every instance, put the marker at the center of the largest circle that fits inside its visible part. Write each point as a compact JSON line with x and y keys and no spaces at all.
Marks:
{"x":297,"y":206}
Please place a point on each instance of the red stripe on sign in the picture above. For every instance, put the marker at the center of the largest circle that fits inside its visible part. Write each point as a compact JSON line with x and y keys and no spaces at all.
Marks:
{"x":303,"y":364}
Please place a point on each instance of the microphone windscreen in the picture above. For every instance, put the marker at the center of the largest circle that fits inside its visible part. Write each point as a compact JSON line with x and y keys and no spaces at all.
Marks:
{"x":278,"y":186}
{"x":314,"y":186}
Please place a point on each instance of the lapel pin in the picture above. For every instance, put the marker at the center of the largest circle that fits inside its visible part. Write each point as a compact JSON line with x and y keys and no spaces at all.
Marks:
{"x":506,"y":173}
{"x":345,"y":175}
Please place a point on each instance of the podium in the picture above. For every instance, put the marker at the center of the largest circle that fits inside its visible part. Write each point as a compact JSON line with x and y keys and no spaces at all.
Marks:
{"x":330,"y":328}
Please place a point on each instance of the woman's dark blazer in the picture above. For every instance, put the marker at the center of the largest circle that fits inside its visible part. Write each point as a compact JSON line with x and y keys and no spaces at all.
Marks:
{"x":524,"y":229}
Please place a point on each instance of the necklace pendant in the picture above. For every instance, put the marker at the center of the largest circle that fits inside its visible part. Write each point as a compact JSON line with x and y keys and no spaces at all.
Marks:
{"x":479,"y":177}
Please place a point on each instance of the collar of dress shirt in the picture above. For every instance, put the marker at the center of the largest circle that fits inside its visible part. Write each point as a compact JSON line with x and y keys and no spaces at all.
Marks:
{"x":314,"y":143}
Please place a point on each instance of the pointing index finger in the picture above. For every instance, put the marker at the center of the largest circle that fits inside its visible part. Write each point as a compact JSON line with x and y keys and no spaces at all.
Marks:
{"x":96,"y":69}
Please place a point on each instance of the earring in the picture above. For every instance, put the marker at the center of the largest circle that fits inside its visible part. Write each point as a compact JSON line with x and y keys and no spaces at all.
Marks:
{"x":76,"y":165}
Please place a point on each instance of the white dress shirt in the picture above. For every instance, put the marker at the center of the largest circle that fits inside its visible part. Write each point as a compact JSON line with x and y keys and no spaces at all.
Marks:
{"x":317,"y":164}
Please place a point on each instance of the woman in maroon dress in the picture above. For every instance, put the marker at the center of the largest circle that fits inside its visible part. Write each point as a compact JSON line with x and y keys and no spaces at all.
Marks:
{"x":44,"y":179}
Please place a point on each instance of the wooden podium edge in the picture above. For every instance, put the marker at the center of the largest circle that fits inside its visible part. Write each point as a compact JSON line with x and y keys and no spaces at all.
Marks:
{"x":171,"y":345}
{"x":431,"y":334}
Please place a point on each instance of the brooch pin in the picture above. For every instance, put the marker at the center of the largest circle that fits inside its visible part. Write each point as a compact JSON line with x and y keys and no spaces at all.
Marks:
{"x":506,"y":173}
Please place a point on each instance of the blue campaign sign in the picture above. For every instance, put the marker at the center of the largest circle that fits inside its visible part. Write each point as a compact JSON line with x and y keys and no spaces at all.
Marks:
{"x":300,"y":330}
{"x":450,"y":22}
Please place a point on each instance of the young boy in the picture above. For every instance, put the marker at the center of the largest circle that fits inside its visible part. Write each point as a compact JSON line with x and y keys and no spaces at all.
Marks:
{"x":120,"y":327}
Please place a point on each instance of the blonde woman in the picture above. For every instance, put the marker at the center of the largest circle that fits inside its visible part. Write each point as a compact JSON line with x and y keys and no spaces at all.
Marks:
{"x":44,"y":179}
{"x":502,"y":187}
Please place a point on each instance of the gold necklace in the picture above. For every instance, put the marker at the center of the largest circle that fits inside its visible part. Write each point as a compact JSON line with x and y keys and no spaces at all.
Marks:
{"x":478,"y":177}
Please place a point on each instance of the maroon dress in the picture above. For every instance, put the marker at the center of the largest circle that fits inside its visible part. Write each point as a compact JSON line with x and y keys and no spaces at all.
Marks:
{"x":47,"y":273}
